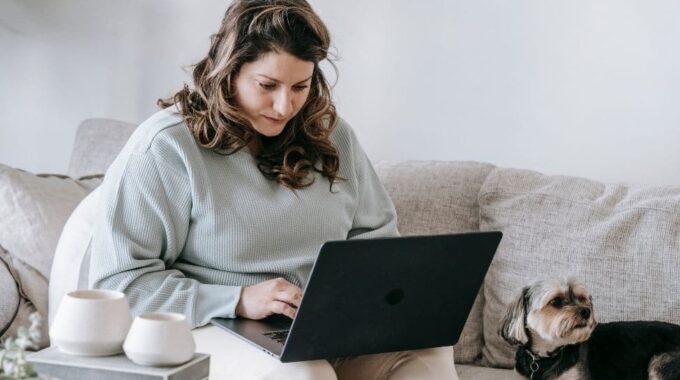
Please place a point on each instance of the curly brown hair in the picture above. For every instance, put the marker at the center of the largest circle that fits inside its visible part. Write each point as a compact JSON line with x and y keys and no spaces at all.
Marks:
{"x":250,"y":29}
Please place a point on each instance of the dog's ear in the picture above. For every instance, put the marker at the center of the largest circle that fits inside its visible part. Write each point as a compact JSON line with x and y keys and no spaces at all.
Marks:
{"x":512,"y":327}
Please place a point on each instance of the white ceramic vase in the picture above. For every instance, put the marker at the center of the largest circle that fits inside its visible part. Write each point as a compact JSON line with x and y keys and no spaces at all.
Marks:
{"x":160,"y":339}
{"x":91,"y":323}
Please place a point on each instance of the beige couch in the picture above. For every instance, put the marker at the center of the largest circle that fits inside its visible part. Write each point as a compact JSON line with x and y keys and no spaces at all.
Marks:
{"x":622,"y":241}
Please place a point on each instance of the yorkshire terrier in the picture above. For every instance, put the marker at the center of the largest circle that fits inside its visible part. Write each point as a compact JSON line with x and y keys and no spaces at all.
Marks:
{"x":553,"y":325}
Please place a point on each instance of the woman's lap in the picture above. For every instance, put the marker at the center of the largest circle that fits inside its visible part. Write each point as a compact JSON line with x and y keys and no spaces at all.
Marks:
{"x":432,"y":364}
{"x":231,"y":356}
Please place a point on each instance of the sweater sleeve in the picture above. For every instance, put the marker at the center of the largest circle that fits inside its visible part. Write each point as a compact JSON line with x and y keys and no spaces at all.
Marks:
{"x":375,"y":215}
{"x":140,"y":232}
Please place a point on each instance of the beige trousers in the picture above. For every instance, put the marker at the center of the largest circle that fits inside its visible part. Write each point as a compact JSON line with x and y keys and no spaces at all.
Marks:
{"x":232,"y":358}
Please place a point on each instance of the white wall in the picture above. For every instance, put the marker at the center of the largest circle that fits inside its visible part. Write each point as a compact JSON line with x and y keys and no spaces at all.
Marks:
{"x":580,"y":87}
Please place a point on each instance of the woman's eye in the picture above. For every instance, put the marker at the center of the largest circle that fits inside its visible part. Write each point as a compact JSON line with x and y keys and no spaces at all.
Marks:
{"x":299,"y":88}
{"x":267,"y":86}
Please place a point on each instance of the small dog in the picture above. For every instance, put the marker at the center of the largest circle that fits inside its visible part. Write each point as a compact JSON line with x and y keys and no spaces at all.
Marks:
{"x":553,"y":324}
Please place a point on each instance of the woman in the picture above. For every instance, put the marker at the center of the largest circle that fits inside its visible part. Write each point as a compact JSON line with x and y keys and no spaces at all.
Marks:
{"x":217,"y":205}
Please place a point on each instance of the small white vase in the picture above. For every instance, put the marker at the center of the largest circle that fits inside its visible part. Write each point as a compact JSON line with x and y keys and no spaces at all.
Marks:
{"x":91,"y":323}
{"x":160,"y":339}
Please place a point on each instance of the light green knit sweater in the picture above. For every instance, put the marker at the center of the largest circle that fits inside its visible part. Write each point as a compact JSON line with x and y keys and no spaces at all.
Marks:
{"x":182,"y":229}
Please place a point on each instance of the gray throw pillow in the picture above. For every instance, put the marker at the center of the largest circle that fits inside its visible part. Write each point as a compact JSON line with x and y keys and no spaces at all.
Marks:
{"x":33,"y":210}
{"x":621,"y":241}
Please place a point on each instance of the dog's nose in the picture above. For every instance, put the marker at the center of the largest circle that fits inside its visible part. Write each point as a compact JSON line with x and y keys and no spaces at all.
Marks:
{"x":584,"y":313}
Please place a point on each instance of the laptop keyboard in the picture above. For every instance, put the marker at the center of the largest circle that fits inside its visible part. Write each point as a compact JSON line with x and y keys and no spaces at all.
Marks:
{"x":279,"y":335}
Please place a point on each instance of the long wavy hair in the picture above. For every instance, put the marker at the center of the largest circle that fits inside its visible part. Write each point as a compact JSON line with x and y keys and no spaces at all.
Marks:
{"x":250,"y":29}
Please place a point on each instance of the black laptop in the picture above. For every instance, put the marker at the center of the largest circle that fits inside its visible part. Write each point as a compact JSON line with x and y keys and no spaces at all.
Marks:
{"x":378,"y":295}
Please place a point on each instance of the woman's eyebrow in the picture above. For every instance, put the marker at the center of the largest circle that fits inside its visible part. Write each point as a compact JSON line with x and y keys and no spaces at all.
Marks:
{"x":278,"y":81}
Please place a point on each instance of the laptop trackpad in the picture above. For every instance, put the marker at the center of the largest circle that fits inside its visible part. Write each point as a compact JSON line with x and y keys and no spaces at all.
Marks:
{"x":258,"y":332}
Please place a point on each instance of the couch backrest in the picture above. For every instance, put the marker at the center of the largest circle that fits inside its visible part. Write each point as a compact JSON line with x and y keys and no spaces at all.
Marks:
{"x":97,"y":143}
{"x":621,"y":240}
{"x":434,"y":197}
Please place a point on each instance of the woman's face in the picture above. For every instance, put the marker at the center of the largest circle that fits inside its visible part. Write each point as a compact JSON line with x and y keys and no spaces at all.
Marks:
{"x":272,"y":90}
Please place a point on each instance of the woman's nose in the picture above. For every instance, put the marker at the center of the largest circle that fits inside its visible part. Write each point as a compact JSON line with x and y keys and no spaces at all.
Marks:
{"x":283,"y":103}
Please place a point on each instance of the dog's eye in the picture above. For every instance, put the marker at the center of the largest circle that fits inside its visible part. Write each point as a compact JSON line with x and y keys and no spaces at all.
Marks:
{"x":557,"y":302}
{"x":582,"y":299}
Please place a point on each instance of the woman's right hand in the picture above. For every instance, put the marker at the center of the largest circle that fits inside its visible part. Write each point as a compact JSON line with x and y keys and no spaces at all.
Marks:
{"x":276,"y":296}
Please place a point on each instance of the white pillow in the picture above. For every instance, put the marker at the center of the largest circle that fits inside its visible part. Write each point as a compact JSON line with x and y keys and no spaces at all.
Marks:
{"x":71,"y":258}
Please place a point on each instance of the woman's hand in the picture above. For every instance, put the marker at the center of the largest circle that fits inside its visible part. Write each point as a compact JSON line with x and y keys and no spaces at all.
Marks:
{"x":276,"y":296}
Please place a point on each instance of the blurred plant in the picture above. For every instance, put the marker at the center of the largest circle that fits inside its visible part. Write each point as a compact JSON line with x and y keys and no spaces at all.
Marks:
{"x":13,"y":364}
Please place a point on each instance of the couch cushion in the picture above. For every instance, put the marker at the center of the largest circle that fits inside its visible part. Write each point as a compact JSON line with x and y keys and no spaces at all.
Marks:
{"x":621,"y":241}
{"x":33,"y":210}
{"x":434,"y":198}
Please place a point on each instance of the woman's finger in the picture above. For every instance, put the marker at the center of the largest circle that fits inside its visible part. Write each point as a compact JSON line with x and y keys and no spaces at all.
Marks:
{"x":290,"y":296}
{"x":279,"y":307}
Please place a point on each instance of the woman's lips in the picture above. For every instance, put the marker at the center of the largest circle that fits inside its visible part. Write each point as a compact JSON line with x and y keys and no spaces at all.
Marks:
{"x":275,"y":121}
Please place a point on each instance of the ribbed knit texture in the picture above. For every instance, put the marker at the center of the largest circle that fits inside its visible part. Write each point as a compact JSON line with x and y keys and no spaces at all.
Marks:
{"x":182,"y":228}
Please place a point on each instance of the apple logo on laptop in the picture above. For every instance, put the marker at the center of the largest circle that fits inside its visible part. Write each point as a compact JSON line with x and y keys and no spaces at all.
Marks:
{"x":394,"y":296}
